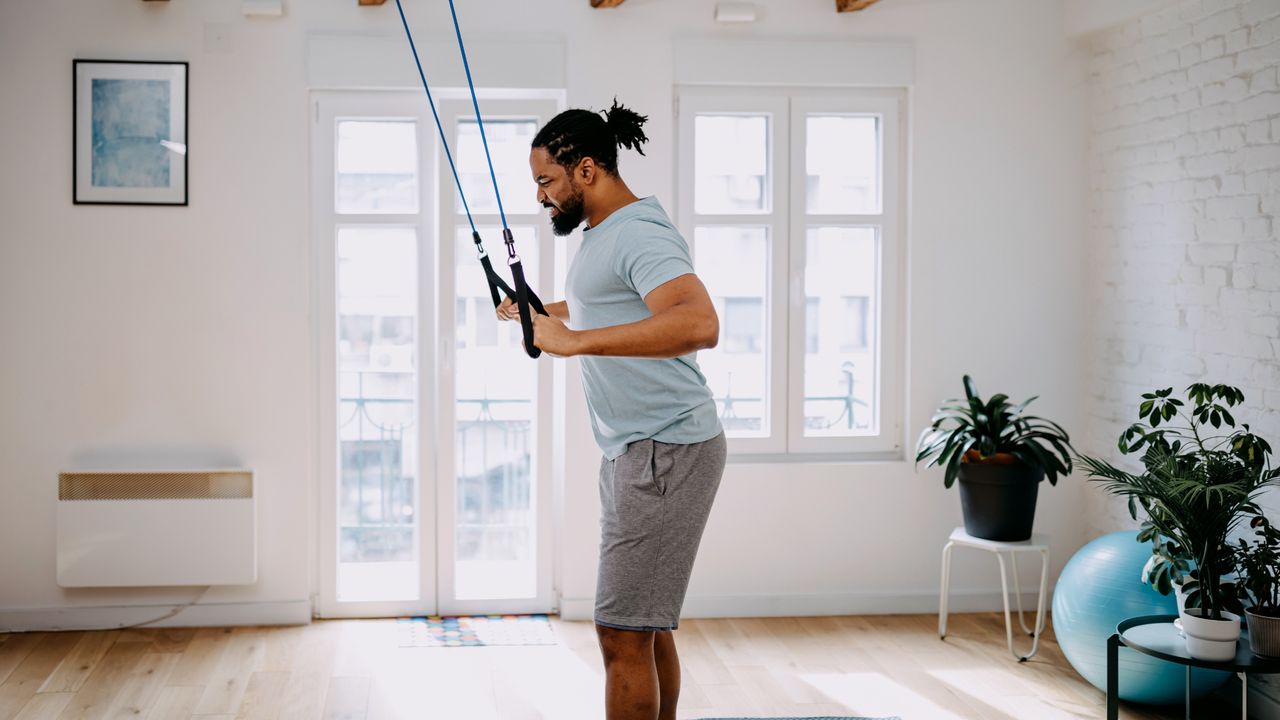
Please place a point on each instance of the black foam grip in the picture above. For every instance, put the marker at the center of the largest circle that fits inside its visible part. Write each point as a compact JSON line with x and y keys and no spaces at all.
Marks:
{"x":495,"y":282}
{"x":522,"y":302}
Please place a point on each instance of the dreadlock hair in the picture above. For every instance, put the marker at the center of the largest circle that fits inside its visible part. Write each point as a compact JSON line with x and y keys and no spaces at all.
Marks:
{"x":575,"y":134}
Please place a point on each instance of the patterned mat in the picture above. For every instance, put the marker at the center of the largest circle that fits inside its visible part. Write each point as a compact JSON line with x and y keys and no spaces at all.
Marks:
{"x":476,"y":631}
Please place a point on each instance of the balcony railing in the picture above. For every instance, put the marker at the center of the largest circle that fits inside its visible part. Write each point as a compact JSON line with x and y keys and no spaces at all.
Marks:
{"x":377,"y":496}
{"x":847,"y":403}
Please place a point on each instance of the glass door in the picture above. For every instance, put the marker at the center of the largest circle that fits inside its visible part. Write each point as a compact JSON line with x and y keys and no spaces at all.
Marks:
{"x":373,"y":225}
{"x":433,"y":425}
{"x":495,"y":491}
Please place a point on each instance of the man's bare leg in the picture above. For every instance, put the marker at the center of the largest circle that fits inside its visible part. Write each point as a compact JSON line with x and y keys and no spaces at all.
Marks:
{"x":631,"y":677}
{"x":668,"y":665}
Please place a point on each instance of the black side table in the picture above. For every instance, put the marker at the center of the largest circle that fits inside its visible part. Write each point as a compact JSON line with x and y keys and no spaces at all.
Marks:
{"x":1155,"y":635}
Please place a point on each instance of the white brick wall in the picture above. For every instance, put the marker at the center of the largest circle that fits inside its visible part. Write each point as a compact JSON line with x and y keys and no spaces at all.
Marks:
{"x":1184,"y":259}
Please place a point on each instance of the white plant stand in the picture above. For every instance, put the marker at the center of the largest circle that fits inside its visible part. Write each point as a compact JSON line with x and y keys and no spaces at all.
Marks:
{"x":1037,"y":544}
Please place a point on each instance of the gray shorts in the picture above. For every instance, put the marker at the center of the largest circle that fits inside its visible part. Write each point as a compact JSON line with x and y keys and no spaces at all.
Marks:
{"x":654,"y":503}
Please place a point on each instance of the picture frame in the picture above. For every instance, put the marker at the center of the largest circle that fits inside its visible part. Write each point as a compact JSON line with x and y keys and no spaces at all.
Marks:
{"x":129,"y":132}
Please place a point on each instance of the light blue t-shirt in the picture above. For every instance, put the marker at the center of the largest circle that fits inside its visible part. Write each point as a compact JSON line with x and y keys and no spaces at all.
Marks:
{"x":622,"y":260}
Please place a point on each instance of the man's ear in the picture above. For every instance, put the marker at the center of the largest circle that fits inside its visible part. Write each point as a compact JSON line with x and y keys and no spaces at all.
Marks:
{"x":587,"y":170}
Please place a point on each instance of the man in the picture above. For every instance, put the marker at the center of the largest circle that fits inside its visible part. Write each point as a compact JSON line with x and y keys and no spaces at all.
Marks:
{"x":636,"y":313}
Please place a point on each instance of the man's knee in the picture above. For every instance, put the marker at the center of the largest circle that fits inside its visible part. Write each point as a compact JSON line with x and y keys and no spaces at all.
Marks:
{"x":625,"y":645}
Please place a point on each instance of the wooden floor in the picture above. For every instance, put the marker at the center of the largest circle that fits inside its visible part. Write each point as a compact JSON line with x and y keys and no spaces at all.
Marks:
{"x":868,"y":665}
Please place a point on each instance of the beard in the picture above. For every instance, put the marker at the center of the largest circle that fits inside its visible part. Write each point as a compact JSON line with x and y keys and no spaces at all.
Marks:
{"x":569,"y":214}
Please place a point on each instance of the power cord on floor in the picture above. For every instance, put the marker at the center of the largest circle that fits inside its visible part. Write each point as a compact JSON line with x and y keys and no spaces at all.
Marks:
{"x":177,"y":609}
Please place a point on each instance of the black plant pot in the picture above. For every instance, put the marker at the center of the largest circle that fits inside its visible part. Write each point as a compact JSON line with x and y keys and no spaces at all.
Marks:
{"x":999,"y":499}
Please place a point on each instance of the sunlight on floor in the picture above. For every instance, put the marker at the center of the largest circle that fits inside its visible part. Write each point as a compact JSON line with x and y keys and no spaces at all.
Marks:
{"x":509,"y":682}
{"x":875,"y":694}
{"x":1006,"y":693}
{"x":557,"y":684}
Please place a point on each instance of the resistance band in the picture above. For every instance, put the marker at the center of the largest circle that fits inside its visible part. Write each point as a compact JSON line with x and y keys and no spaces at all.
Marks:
{"x":526,"y":301}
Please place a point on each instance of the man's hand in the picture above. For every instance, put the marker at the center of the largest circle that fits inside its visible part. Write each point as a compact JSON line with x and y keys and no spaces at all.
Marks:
{"x":508,"y":310}
{"x":553,"y":338}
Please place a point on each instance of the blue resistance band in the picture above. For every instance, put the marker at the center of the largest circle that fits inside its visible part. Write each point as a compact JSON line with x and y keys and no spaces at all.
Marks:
{"x":526,"y":300}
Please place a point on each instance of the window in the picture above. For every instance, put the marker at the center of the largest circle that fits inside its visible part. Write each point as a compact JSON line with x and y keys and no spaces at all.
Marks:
{"x":743,"y":321}
{"x":738,"y":373}
{"x":792,"y":198}
{"x":377,"y":167}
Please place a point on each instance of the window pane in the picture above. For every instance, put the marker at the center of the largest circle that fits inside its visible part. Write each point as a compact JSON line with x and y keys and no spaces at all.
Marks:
{"x":811,"y":307}
{"x":377,"y":370}
{"x":733,"y":262}
{"x":509,"y":142}
{"x":377,"y":166}
{"x":855,"y":329}
{"x":842,"y":161}
{"x":496,"y":383}
{"x":841,"y":366}
{"x":731,"y":166}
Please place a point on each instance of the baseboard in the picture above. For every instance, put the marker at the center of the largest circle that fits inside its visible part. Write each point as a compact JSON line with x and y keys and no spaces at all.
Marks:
{"x":715,"y":606}
{"x":284,"y":612}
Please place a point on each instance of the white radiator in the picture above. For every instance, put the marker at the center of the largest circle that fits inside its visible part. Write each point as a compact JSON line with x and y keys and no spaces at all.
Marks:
{"x":135,"y":529}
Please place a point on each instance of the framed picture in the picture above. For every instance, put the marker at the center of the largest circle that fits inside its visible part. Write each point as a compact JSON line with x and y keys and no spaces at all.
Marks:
{"x":130,"y":132}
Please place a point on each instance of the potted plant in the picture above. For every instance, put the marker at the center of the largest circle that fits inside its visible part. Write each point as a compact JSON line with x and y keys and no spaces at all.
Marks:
{"x":1258,"y":565}
{"x":999,"y":455}
{"x":1195,"y":487}
{"x":1167,"y":567}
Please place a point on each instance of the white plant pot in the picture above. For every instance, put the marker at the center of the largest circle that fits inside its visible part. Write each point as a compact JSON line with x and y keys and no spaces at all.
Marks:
{"x":1213,"y":640}
{"x":1181,"y":594}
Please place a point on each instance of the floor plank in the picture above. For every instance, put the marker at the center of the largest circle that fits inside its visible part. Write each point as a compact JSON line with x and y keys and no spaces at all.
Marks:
{"x":45,"y":707}
{"x":75,"y":668}
{"x":347,"y":699}
{"x":108,"y":682}
{"x":244,"y":655}
{"x":355,"y":670}
{"x":27,"y":677}
{"x":15,"y":650}
{"x":174,"y":703}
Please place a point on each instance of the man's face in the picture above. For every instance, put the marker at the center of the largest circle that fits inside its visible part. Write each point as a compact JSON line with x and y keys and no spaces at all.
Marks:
{"x":558,"y":191}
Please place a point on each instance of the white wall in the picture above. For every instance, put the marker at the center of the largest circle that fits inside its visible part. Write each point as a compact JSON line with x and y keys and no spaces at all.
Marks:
{"x":163,"y":335}
{"x":1185,"y":205}
{"x":1184,"y":171}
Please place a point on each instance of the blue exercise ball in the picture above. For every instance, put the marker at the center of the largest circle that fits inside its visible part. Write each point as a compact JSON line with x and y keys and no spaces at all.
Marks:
{"x":1101,"y":586}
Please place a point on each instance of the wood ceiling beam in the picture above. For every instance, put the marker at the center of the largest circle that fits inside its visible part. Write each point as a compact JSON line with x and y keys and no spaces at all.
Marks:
{"x":606,"y":3}
{"x":854,"y":5}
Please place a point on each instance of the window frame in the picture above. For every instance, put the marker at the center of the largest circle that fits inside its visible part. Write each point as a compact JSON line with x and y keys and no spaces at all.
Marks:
{"x":788,"y":223}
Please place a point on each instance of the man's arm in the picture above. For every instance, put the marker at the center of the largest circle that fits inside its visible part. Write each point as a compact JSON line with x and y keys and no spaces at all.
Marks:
{"x":684,"y":320}
{"x":556,"y":309}
{"x":508,"y":310}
